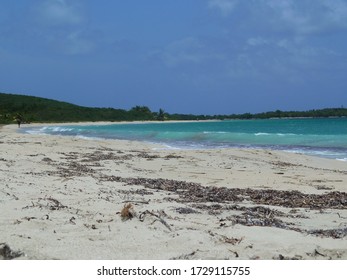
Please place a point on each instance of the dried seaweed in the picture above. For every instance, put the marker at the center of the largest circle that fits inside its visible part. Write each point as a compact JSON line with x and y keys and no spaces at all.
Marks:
{"x":253,"y":219}
{"x":54,"y":204}
{"x":185,"y":256}
{"x":51,"y":204}
{"x":74,"y":169}
{"x":334,"y":233}
{"x":99,"y":156}
{"x":147,"y":156}
{"x":172,"y":157}
{"x":186,"y":210}
{"x":194,"y":192}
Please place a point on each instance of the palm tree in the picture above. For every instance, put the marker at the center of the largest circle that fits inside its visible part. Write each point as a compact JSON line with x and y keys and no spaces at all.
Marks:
{"x":161,"y":115}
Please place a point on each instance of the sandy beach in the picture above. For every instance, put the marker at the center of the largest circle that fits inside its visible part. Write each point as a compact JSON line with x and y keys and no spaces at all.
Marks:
{"x":71,"y":198}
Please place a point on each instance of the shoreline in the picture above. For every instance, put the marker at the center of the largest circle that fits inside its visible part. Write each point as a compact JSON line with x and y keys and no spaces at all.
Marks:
{"x":321,"y":152}
{"x":65,"y":198}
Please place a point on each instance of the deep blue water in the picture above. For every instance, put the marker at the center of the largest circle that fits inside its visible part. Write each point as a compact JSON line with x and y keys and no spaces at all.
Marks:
{"x":326,"y":137}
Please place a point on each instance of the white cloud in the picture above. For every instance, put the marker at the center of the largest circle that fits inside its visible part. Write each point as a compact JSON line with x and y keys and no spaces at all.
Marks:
{"x":62,"y":26}
{"x":60,"y":12}
{"x":307,"y":17}
{"x":225,"y":6}
{"x":257,"y":41}
{"x":337,"y":12}
{"x":301,"y":18}
{"x":76,"y":44}
{"x":188,"y":50}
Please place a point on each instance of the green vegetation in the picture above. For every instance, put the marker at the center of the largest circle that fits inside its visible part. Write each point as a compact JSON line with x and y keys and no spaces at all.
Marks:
{"x":36,"y":109}
{"x":14,"y":107}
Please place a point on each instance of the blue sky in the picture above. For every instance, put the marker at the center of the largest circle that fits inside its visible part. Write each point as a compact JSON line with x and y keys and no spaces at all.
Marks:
{"x":185,"y":56}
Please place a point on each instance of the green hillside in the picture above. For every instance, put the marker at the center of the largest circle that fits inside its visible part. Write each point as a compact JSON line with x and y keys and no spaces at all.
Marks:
{"x":36,"y":109}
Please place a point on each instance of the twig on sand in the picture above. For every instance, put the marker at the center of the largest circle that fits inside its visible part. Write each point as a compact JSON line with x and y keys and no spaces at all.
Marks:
{"x":318,"y":253}
{"x":143,"y":214}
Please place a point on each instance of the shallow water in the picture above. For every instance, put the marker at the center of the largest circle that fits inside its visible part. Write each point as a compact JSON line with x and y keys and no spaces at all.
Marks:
{"x":325,"y":137}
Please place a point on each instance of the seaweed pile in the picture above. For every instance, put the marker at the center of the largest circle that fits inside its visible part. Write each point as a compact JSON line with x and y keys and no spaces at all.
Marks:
{"x":216,"y":199}
{"x":196,"y":193}
{"x":212,"y":199}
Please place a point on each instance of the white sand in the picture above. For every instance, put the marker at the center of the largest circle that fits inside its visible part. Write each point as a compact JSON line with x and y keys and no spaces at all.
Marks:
{"x":58,"y":200}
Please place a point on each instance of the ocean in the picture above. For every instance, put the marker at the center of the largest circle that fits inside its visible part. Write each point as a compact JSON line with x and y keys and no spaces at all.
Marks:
{"x":324,"y":137}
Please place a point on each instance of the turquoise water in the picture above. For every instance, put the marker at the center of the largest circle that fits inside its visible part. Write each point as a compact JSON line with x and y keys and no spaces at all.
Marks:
{"x":325,"y":137}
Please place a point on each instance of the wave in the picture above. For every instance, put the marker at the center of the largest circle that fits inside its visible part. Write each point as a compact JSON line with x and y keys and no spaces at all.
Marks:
{"x":62,"y":129}
{"x":210,"y":136}
{"x":215,"y":132}
{"x":277,"y":134}
{"x":56,"y":130}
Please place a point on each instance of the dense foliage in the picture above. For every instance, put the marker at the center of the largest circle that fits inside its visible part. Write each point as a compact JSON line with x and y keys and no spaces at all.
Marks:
{"x":36,"y":109}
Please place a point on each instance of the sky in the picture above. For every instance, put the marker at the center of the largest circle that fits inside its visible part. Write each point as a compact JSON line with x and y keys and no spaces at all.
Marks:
{"x":184,"y":56}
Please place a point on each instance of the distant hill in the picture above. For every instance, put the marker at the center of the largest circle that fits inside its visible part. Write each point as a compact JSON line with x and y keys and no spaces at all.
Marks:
{"x":37,"y":109}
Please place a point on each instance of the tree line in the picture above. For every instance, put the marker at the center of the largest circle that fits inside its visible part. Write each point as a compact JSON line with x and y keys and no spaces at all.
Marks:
{"x":36,"y":109}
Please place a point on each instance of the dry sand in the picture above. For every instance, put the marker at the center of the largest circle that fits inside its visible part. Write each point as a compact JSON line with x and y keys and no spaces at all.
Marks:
{"x":64,"y":198}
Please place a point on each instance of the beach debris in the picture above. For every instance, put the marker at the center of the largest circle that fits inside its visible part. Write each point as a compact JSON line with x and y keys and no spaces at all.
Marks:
{"x":281,"y":257}
{"x":235,"y":253}
{"x":127,"y":212}
{"x":54,"y":204}
{"x":137,"y":201}
{"x":90,"y":226}
{"x":47,"y":160}
{"x":323,"y":188}
{"x":218,"y":199}
{"x":341,"y":217}
{"x":6,"y":253}
{"x":225,"y":239}
{"x":45,"y":217}
{"x":232,"y":240}
{"x":98,"y":156}
{"x":158,"y":218}
{"x":81,"y":164}
{"x":318,"y":253}
{"x":172,"y":156}
{"x":72,"y":220}
{"x":194,"y":192}
{"x":147,"y":156}
{"x":51,"y":204}
{"x":186,"y":256}
{"x":186,"y":210}
{"x":250,"y":219}
{"x":29,"y":218}
{"x":334,"y":233}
